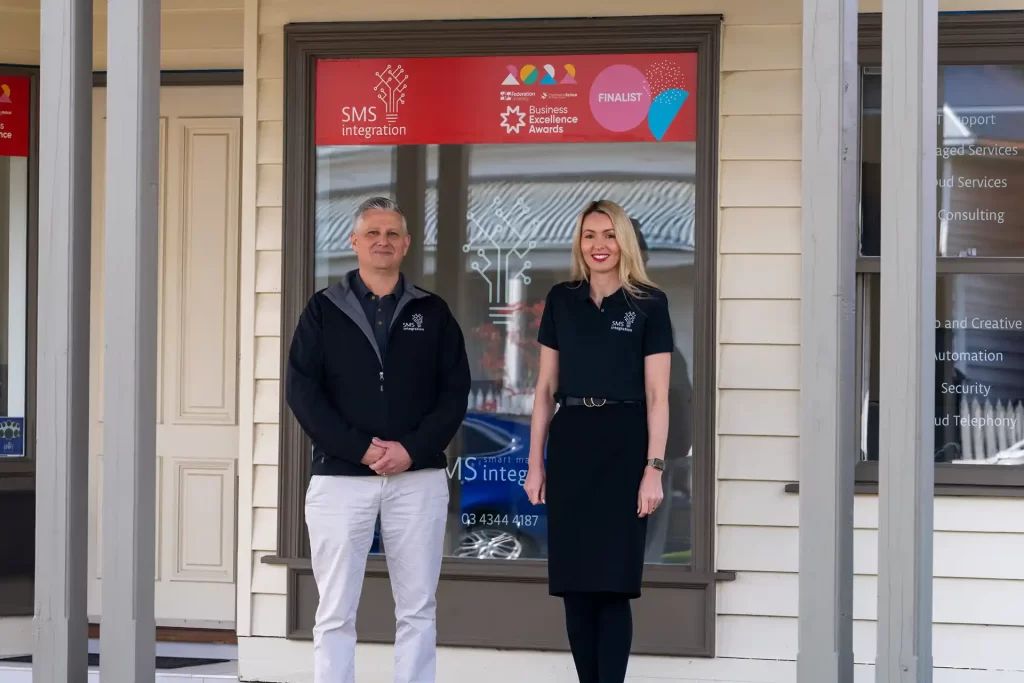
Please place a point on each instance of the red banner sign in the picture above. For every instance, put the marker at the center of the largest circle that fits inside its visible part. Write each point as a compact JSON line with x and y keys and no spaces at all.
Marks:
{"x":487,"y":100}
{"x":15,"y":115}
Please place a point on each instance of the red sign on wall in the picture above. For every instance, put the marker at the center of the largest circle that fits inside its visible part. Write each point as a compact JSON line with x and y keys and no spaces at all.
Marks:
{"x":488,"y":100}
{"x":15,"y":115}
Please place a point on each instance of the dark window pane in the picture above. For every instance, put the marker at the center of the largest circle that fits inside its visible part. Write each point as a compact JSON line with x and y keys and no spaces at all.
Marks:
{"x":14,"y":195}
{"x":979,"y":369}
{"x":870,"y":163}
{"x":980,"y":165}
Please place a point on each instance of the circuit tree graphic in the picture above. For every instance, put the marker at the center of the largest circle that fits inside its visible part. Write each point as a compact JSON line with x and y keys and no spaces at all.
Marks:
{"x":391,"y":90}
{"x":502,"y":240}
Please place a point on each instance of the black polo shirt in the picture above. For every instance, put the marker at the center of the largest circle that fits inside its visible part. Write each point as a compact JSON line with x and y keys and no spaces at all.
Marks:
{"x":379,"y":310}
{"x":601,"y":351}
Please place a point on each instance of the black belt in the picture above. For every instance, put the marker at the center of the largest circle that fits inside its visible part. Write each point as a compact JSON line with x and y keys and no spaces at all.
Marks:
{"x":570,"y":401}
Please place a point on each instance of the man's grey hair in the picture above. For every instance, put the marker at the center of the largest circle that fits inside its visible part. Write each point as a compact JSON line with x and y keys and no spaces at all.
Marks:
{"x":383,"y":204}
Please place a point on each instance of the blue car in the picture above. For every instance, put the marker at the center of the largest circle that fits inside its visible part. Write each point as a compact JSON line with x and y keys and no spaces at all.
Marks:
{"x":496,"y":519}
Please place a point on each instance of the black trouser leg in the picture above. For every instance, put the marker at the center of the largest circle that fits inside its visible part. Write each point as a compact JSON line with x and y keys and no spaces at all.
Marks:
{"x":615,"y":638}
{"x":581,"y":625}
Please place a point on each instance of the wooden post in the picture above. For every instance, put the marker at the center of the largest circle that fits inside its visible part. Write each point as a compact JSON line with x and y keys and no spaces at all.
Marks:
{"x":62,"y":403}
{"x":829,"y":253}
{"x":128,"y":633}
{"x":907,"y":354}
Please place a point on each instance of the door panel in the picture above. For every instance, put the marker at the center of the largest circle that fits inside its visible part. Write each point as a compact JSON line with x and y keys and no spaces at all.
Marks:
{"x":197,"y":352}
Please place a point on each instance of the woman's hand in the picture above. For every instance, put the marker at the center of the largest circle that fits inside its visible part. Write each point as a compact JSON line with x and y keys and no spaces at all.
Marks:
{"x":535,"y":484}
{"x":651,"y":494}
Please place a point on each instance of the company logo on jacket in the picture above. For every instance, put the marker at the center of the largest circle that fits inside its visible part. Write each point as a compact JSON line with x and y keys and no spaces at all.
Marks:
{"x":416,"y":325}
{"x":626,"y":324}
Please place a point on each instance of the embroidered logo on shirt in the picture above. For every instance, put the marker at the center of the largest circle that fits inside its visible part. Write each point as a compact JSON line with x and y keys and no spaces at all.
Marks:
{"x":626,"y":324}
{"x":416,"y":325}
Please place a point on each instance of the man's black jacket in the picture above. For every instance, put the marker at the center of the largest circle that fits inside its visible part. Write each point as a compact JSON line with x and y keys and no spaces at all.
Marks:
{"x":344,"y":394}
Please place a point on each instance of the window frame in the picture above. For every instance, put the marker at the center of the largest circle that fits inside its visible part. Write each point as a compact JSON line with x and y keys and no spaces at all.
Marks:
{"x":964,"y":39}
{"x":25,"y":466}
{"x":534,"y":620}
{"x":19,"y":473}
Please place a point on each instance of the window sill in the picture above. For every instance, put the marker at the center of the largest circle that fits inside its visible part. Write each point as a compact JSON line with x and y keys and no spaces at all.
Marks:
{"x":524,"y":571}
{"x":870,"y":488}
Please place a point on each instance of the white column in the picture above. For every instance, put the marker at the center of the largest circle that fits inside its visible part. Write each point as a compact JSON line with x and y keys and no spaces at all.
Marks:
{"x":127,"y":634}
{"x":62,"y":402}
{"x":907,"y":354}
{"x":827,"y":394}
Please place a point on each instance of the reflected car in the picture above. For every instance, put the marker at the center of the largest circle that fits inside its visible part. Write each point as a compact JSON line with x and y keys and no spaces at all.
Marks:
{"x":496,"y":518}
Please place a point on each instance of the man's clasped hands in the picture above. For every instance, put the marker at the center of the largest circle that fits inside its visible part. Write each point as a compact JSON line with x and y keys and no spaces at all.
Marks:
{"x":387,"y":457}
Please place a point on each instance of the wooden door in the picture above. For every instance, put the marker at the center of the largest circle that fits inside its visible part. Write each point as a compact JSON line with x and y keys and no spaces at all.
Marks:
{"x":197,"y":355}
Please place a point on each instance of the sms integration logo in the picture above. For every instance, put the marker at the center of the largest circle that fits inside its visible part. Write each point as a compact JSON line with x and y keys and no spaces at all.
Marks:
{"x":622,"y":96}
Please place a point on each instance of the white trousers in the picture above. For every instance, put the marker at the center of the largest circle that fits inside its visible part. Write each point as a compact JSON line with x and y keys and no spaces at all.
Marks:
{"x":341,"y":514}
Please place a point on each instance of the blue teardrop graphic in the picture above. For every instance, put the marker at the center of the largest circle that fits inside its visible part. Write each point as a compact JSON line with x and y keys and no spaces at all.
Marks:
{"x":663,"y":111}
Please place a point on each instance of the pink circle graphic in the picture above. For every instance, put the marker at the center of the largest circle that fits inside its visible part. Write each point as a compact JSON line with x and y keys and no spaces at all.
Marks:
{"x":620,"y":97}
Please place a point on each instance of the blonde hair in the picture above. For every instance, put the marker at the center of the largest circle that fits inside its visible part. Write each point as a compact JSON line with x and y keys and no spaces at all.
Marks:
{"x":632,"y":273}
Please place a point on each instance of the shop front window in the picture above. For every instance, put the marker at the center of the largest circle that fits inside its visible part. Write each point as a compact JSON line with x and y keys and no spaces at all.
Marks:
{"x":492,"y":222}
{"x":492,"y":136}
{"x":14,"y":232}
{"x":18,"y":182}
{"x":979,"y":369}
{"x":979,"y":317}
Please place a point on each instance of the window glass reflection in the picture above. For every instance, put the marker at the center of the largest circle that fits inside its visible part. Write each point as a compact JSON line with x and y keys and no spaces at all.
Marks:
{"x":496,"y":225}
{"x":979,"y":370}
{"x":13,"y":303}
{"x":979,"y":166}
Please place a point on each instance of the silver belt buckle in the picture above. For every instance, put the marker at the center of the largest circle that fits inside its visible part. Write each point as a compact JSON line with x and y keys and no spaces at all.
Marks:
{"x":594,"y":404}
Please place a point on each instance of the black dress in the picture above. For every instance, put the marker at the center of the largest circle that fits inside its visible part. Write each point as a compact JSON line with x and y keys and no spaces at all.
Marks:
{"x":596,"y":456}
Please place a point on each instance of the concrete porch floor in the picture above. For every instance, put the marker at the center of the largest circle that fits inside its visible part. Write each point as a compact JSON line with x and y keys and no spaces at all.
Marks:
{"x":215,"y":672}
{"x":224,"y":672}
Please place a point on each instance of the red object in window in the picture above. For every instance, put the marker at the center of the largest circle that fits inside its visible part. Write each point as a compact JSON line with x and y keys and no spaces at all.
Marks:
{"x":15,"y":114}
{"x":488,"y":100}
{"x":493,"y":338}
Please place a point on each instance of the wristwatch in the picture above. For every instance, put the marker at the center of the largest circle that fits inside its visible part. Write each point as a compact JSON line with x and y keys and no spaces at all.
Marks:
{"x":656,"y":463}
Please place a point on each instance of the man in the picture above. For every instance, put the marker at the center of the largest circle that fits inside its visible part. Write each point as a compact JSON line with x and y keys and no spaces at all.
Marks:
{"x":680,"y":430}
{"x":378,"y":377}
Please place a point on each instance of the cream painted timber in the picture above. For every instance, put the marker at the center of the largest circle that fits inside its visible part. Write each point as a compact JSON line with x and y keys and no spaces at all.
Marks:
{"x":758,"y":458}
{"x":194,"y":34}
{"x":759,"y":230}
{"x":745,"y":366}
{"x":759,"y":321}
{"x":197,"y":419}
{"x":759,"y":310}
{"x":957,"y":646}
{"x":958,"y":601}
{"x":754,"y":503}
{"x":16,"y":636}
{"x":274,"y":14}
{"x":765,"y":138}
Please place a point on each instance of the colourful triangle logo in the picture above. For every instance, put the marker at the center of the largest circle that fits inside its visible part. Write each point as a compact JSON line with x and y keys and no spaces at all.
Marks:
{"x":663,"y":111}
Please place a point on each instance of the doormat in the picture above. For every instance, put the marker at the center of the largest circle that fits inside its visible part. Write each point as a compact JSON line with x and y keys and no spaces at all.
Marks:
{"x":161,"y":662}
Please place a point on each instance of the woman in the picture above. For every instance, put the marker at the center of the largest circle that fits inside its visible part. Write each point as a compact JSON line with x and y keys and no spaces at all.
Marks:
{"x":606,"y":343}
